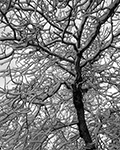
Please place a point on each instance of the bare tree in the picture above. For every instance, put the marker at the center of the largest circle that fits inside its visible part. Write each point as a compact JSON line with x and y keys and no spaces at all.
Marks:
{"x":60,"y":66}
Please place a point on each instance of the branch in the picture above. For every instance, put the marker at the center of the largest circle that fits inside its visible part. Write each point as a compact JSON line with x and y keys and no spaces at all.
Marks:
{"x":100,"y":21}
{"x":70,"y":72}
{"x":9,"y":39}
{"x":51,"y":92}
{"x":45,"y":17}
{"x":92,"y":59}
{"x":80,"y":31}
{"x":4,"y":15}
{"x":45,"y":49}
{"x":60,"y":125}
{"x":64,"y":31}
{"x":6,"y":56}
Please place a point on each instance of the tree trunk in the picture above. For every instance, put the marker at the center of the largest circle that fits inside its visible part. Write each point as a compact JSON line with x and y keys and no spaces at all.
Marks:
{"x":83,"y":130}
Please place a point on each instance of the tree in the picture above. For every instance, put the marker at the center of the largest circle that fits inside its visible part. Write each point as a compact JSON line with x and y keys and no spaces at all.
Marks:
{"x":60,"y":66}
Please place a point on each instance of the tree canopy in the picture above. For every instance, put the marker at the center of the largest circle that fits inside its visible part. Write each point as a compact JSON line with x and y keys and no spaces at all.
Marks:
{"x":59,"y":74}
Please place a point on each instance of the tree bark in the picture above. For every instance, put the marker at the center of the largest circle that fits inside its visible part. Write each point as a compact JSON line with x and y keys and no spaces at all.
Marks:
{"x":78,"y":103}
{"x":82,"y":127}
